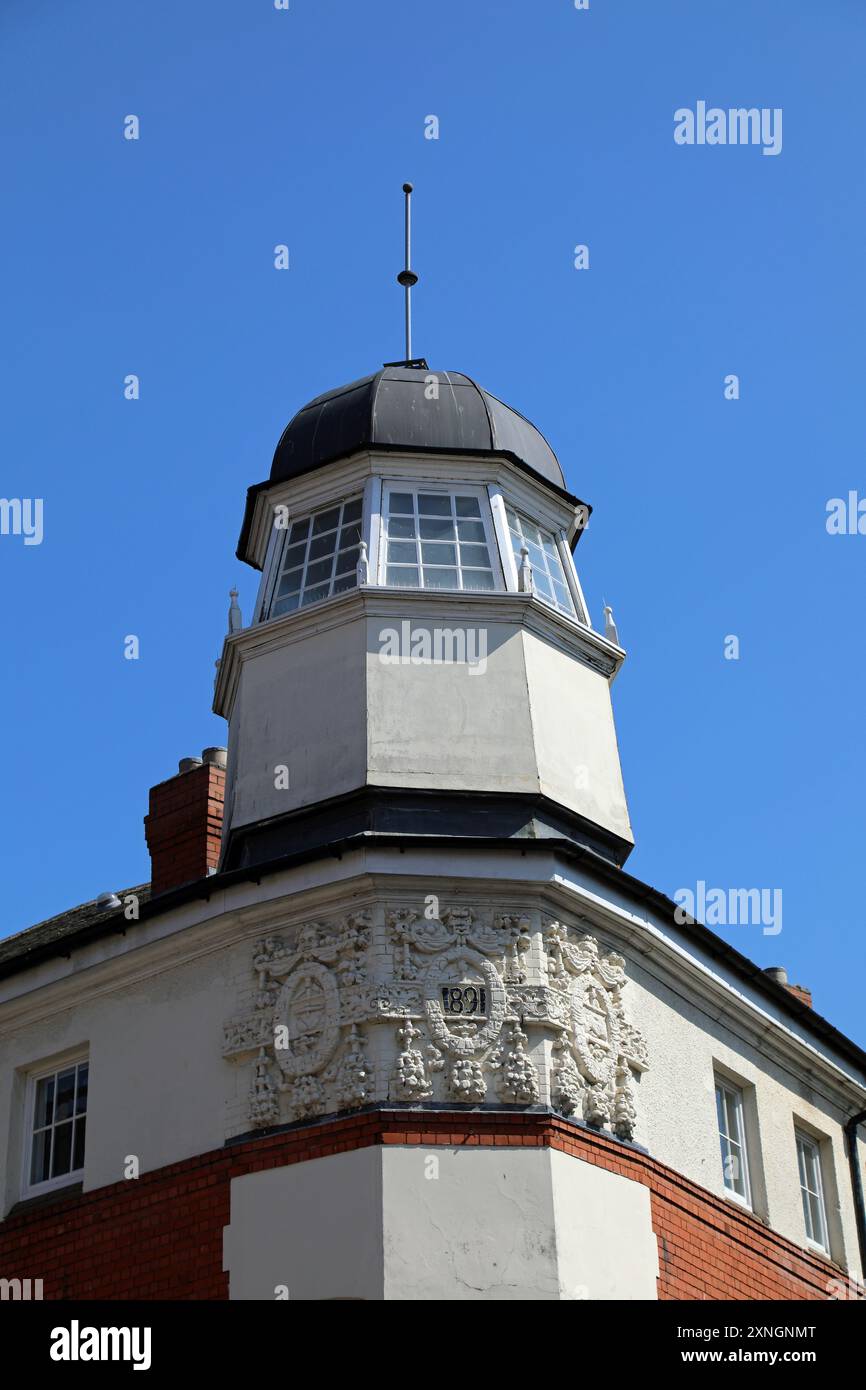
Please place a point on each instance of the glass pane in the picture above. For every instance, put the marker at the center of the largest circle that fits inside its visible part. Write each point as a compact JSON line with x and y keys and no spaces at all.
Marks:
{"x":401,"y":502}
{"x":39,"y":1170}
{"x":555,"y":569}
{"x":437,"y":554}
{"x":319,"y":572}
{"x":81,"y":1093}
{"x":471,"y":531}
{"x":474,"y":555}
{"x":290,"y":583}
{"x":817,"y":1219}
{"x":562,"y":596}
{"x":542,"y":584}
{"x":65,"y":1099}
{"x":536,"y":557}
{"x":477,"y":579}
{"x":550,"y":548}
{"x":345,"y":581}
{"x":313,"y":595}
{"x":434,"y":504}
{"x":78,"y":1146}
{"x":467,"y":506}
{"x":512,"y":519}
{"x":720,"y":1110}
{"x":321,"y":545}
{"x":346,"y":560}
{"x":430,"y":530}
{"x":44,"y":1112}
{"x":352,"y":510}
{"x":807,"y":1213}
{"x":406,"y":577}
{"x":61,"y":1156}
{"x":294,"y":556}
{"x":735,"y":1164}
{"x":350,"y":535}
{"x":440,"y":579}
{"x":326,"y":521}
{"x":285,"y":605}
{"x":300,"y":530}
{"x":403,"y":528}
{"x":402,"y":552}
{"x":801,"y":1162}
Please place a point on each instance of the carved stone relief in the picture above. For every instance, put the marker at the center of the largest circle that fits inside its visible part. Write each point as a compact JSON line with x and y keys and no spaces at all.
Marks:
{"x":410,"y":1007}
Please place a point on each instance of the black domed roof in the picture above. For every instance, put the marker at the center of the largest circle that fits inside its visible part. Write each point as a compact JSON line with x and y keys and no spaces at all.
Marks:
{"x":390,"y":410}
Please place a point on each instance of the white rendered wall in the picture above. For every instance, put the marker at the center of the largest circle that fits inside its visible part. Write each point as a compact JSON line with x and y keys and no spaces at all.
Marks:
{"x":421,"y":1224}
{"x":310,"y":1231}
{"x":320,"y":700}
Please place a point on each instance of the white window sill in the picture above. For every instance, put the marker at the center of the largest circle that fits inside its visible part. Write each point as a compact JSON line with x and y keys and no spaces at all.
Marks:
{"x":43,"y":1189}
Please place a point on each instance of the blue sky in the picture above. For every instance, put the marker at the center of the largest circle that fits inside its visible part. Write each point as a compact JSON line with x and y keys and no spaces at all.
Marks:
{"x":155,"y":257}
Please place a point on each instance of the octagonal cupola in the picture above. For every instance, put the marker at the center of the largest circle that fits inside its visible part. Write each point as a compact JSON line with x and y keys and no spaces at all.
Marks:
{"x":420,"y":659}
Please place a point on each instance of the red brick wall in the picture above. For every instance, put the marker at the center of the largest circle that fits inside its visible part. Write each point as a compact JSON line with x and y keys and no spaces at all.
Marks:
{"x":160,"y":1236}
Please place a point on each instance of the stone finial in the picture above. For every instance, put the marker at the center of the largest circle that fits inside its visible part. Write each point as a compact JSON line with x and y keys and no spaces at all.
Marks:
{"x":363,"y":568}
{"x":524,"y":574}
{"x":610,"y":631}
{"x":236,"y":621}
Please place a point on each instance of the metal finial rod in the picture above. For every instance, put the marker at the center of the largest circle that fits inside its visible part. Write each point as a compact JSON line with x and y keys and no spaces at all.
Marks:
{"x":407,"y":277}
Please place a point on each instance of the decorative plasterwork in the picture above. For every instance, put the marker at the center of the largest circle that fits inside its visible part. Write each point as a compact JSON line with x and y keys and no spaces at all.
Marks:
{"x":458,"y":1005}
{"x":597,"y":1050}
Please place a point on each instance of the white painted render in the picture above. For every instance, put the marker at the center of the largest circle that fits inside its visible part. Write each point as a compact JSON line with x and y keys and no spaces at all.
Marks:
{"x":317,"y":697}
{"x":409,"y":1223}
{"x":308,"y":1231}
{"x":151,"y":1007}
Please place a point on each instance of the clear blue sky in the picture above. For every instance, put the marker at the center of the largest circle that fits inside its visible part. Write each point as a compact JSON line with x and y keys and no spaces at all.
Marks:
{"x":156,"y":257}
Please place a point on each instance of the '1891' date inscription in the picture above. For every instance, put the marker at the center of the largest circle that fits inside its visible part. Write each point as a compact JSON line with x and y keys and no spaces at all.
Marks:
{"x":468,"y":1000}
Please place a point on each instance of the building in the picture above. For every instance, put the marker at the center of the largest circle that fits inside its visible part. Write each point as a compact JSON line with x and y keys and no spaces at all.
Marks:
{"x":392,"y":1020}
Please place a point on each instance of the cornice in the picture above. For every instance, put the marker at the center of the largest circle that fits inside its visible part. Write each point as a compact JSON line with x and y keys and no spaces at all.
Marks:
{"x":570,"y":636}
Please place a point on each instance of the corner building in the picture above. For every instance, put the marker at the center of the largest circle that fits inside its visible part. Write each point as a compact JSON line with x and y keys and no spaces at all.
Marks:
{"x":392,"y":1020}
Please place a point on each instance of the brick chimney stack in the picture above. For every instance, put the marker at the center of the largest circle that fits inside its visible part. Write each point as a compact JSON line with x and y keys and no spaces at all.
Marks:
{"x":184,"y":821}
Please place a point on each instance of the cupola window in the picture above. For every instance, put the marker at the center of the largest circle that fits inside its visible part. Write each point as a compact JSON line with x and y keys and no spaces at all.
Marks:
{"x":320,"y":557}
{"x":548,"y":576}
{"x":437,"y":539}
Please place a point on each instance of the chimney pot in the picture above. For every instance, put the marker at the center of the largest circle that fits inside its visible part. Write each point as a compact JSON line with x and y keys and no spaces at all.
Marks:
{"x":777,"y":973}
{"x":215,"y":757}
{"x":187,"y":764}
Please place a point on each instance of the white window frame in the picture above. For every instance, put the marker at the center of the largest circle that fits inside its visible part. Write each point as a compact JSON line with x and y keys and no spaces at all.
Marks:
{"x":279,"y":542}
{"x":735,"y":1094}
{"x":34,"y":1076}
{"x":557,"y":536}
{"x":566,"y":558}
{"x":814,"y":1145}
{"x":450,"y":488}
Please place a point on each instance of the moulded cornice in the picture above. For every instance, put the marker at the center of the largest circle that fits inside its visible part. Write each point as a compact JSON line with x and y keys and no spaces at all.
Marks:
{"x":572,"y":637}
